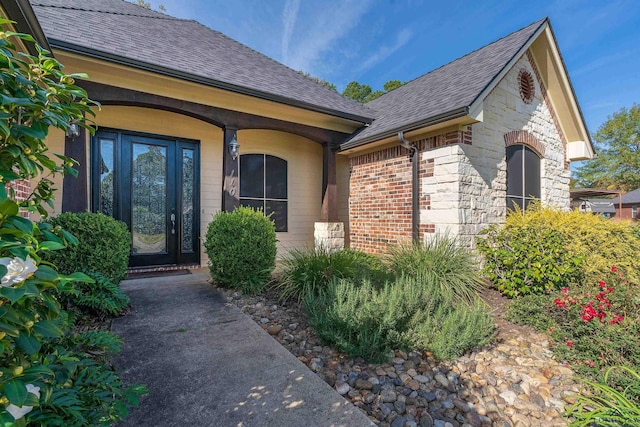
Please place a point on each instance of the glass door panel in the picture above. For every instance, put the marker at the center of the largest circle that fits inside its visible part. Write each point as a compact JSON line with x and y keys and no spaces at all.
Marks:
{"x":149,"y":199}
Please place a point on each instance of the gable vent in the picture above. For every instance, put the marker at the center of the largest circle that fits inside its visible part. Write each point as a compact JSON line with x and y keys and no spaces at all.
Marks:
{"x":527,"y":88}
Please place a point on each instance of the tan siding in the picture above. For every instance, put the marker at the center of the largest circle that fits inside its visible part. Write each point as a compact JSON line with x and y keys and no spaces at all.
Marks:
{"x":55,"y":142}
{"x":304,"y":162}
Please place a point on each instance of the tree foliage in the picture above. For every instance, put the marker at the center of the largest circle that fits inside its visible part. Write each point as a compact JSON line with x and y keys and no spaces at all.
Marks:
{"x":319,"y":80}
{"x":617,"y":142}
{"x":363,"y":92}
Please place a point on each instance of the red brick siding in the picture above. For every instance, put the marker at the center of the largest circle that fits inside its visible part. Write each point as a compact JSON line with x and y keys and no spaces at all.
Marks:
{"x":21,"y":190}
{"x":380,"y":193}
{"x":625,"y":213}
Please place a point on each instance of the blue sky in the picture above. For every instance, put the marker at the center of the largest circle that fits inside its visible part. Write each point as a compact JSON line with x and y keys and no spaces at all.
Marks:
{"x":373,"y":41}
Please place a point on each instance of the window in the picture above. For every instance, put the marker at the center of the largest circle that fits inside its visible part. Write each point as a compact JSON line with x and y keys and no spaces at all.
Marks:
{"x":634,"y":212}
{"x":523,"y":176}
{"x":263,"y":184}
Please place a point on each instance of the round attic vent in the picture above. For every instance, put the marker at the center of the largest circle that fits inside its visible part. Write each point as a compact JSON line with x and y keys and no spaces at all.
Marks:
{"x":527,"y":88}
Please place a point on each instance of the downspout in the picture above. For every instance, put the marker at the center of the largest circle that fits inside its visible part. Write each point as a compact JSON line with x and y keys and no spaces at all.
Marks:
{"x":415,"y":186}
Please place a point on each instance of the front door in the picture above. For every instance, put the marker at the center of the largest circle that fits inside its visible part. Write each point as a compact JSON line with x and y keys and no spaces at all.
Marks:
{"x":150,"y":183}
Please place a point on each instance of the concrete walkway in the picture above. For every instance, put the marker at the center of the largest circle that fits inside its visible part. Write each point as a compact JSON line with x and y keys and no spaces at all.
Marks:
{"x":208,"y":364}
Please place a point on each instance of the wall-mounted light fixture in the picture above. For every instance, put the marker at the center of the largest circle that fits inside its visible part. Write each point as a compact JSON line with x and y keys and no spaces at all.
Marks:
{"x":234,"y":148}
{"x":73,"y":130}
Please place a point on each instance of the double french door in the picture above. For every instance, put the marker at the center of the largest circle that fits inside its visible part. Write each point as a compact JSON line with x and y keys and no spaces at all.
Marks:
{"x":151,"y":183}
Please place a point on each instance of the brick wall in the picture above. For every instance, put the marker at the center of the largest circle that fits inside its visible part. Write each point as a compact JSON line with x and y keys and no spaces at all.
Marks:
{"x":21,"y":190}
{"x":381,"y":192}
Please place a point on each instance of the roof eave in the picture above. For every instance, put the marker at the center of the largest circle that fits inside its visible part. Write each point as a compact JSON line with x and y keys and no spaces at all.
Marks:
{"x":440,"y":118}
{"x":26,"y":22}
{"x":145,"y":66}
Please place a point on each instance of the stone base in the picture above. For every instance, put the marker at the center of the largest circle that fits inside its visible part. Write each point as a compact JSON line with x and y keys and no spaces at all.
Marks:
{"x":329,"y":235}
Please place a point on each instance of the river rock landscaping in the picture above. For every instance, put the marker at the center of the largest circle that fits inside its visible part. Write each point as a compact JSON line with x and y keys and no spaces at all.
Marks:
{"x":512,"y":382}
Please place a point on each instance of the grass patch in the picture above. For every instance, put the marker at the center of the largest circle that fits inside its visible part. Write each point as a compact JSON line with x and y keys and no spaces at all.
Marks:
{"x":444,"y":261}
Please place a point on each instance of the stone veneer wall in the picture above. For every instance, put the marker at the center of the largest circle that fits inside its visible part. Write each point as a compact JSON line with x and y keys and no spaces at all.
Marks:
{"x":508,"y":120}
{"x":462,"y":173}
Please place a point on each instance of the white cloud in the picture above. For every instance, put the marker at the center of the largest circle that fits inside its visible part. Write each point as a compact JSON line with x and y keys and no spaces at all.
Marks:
{"x":289,"y":17}
{"x":320,"y":32}
{"x":385,"y":51}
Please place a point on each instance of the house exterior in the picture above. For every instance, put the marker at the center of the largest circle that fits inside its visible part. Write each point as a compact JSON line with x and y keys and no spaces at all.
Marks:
{"x":604,"y":207}
{"x":193,"y":122}
{"x":627,"y":205}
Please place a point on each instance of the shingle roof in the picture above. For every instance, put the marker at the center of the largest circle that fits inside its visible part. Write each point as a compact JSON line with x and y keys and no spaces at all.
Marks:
{"x":630,"y":197}
{"x":445,"y":90}
{"x":120,"y":29}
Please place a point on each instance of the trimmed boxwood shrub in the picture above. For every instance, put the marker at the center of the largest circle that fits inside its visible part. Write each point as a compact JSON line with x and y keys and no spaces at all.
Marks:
{"x":103,"y":245}
{"x":241,"y":246}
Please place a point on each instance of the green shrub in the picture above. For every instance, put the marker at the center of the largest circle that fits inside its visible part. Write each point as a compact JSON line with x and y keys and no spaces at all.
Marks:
{"x":441,"y":257}
{"x":104,"y":245}
{"x":101,"y":298}
{"x":571,"y":235}
{"x":605,"y":406}
{"x":531,"y":310}
{"x":85,"y":390}
{"x":310,"y":270}
{"x":364,"y":320}
{"x":450,"y":330}
{"x":241,"y":246}
{"x":529,"y":257}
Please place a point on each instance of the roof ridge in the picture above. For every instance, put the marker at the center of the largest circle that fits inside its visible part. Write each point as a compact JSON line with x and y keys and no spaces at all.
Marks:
{"x":159,"y":15}
{"x":538,"y":22}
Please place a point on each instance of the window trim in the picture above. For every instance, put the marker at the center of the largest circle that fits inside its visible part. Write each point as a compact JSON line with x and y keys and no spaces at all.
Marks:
{"x":264,"y":199}
{"x":523,"y":198}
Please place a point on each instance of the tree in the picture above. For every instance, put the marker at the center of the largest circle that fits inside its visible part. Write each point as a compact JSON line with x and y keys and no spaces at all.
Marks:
{"x":319,"y":80}
{"x":147,"y":5}
{"x":617,"y":142}
{"x":356,"y":91}
{"x":363,"y":93}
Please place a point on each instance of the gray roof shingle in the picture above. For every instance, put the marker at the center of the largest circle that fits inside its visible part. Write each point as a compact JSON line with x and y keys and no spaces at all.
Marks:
{"x":125,"y":30}
{"x":630,"y":197}
{"x":447,"y":89}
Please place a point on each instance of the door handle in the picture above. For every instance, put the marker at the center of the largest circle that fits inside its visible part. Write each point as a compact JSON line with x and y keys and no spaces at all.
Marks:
{"x":173,"y":223}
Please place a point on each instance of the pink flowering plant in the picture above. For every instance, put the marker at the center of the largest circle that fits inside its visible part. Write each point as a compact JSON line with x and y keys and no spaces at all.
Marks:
{"x":598,"y":326}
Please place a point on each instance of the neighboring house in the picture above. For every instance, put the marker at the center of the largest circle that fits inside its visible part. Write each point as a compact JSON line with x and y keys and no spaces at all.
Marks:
{"x":628,"y":209}
{"x":193,"y":122}
{"x":602,"y":207}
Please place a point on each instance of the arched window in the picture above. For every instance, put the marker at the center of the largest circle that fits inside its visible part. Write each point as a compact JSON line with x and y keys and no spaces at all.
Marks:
{"x":523,"y":176}
{"x":263,"y":184}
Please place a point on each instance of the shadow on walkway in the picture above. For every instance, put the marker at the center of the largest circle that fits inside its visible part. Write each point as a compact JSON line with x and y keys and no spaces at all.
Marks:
{"x":208,"y":364}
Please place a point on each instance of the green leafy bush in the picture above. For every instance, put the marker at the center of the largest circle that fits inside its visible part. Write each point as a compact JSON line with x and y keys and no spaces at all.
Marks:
{"x":445,"y":260}
{"x":101,"y":298}
{"x":605,"y":406}
{"x":308,"y":271}
{"x":85,"y":389}
{"x":543,"y":248}
{"x":241,"y":246}
{"x":363,"y":320}
{"x":104,"y":245}
{"x":40,"y":362}
{"x":528,"y":257}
